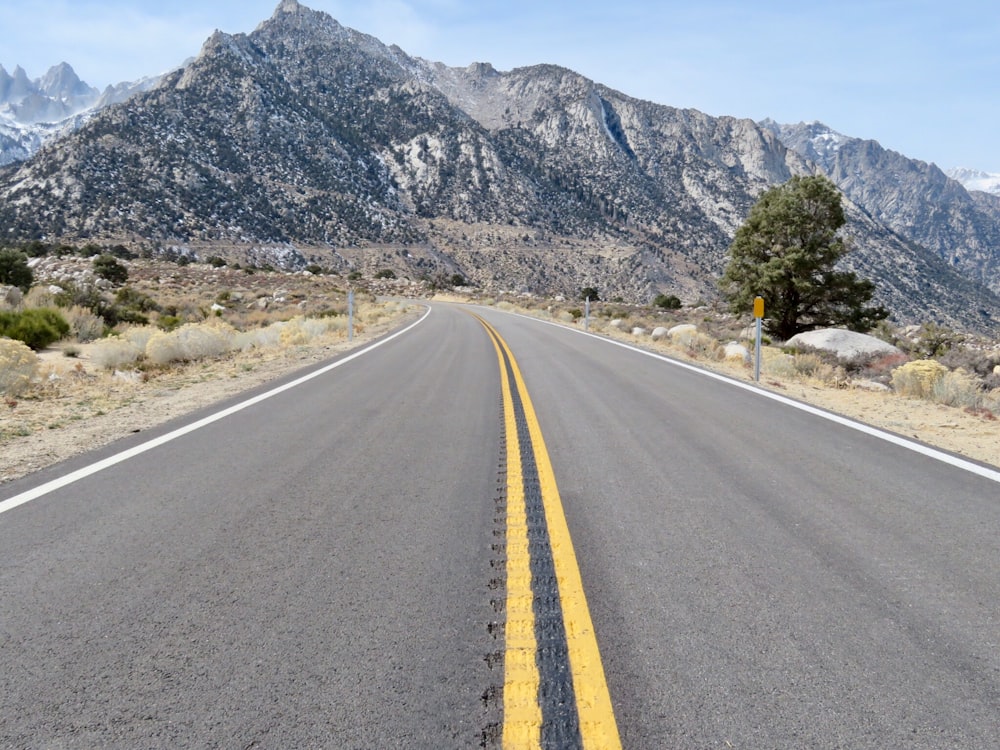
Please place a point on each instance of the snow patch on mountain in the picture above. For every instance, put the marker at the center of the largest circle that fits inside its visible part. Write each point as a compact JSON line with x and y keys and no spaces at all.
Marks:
{"x":975,"y":179}
{"x":33,"y":112}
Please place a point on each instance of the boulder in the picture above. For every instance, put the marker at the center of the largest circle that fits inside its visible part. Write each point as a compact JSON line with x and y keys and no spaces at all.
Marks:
{"x":10,"y":296}
{"x":638,"y":331}
{"x":847,"y":345}
{"x":736,"y":352}
{"x":684,"y":329}
{"x":659,"y":332}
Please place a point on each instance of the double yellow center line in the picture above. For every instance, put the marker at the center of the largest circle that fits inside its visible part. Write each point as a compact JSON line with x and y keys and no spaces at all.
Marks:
{"x":555,"y":694}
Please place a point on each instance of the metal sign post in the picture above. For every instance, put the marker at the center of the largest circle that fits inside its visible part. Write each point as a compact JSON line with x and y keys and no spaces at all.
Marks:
{"x":350,"y":315}
{"x":758,"y":313}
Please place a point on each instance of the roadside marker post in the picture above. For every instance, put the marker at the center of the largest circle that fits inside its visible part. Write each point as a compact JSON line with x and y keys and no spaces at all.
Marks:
{"x":586,"y":315}
{"x":758,"y":313}
{"x":350,"y":315}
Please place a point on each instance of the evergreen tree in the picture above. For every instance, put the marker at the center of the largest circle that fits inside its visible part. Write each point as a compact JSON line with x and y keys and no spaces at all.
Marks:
{"x":14,"y":269}
{"x":786,"y":252}
{"x":108,"y":267}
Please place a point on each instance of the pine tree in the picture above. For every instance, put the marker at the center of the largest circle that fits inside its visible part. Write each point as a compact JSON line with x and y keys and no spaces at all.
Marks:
{"x":786,"y":252}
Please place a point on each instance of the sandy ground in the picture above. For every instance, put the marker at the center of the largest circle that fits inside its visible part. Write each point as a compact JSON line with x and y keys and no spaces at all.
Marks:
{"x":81,"y":407}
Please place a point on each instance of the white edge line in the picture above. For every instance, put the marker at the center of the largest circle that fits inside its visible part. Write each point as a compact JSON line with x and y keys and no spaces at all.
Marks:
{"x":938,"y":455}
{"x":86,"y":471}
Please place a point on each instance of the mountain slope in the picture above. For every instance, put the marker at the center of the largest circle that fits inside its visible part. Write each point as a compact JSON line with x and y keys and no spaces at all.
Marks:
{"x":915,"y":199}
{"x":314,"y":141}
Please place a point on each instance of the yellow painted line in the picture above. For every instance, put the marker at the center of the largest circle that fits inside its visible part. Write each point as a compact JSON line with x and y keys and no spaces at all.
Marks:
{"x":522,"y":725}
{"x":598,"y":727}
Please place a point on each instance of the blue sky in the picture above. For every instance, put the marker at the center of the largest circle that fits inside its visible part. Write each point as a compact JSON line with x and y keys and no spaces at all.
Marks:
{"x":922,"y":78}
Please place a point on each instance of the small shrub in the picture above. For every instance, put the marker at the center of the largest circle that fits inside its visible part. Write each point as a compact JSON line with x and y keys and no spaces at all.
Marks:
{"x":131,"y":299}
{"x":667,"y":302}
{"x":779,"y":364}
{"x":18,"y":365}
{"x":385,"y":273}
{"x":113,"y":353}
{"x":293,"y":334}
{"x":126,"y":315}
{"x":969,"y":359}
{"x":71,"y":294}
{"x":189,"y":343}
{"x":697,"y":344}
{"x":108,"y":267}
{"x":37,"y":328}
{"x":120,"y":251}
{"x":876,"y":366}
{"x":139,"y":336}
{"x":808,"y":364}
{"x":258,"y":338}
{"x":85,"y":325}
{"x":36,"y":249}
{"x":958,"y":388}
{"x":933,"y":340}
{"x":918,"y":378}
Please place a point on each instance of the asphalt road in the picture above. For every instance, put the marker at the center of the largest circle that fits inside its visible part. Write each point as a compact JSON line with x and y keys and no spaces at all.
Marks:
{"x":322,"y":569}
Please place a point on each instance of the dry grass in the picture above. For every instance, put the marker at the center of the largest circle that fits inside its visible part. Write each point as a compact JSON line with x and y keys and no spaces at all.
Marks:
{"x":18,"y":366}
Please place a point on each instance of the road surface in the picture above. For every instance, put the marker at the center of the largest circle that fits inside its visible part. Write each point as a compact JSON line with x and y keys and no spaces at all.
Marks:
{"x":337,"y":565}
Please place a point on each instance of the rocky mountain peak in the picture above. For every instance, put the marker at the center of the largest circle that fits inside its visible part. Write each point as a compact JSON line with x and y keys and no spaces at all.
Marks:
{"x":58,"y":95}
{"x":62,"y":82}
{"x":14,"y":87}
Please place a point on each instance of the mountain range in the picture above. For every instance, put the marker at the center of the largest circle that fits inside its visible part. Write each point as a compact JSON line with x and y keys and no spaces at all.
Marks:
{"x":308,"y":142}
{"x":33,"y":112}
